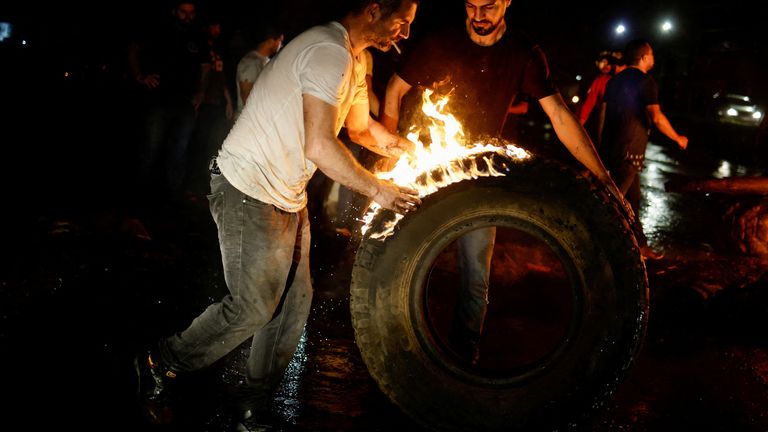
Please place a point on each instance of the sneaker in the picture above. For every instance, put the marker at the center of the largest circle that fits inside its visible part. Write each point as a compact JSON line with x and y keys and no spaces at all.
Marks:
{"x":260,"y":422}
{"x":252,"y":410}
{"x":152,"y":388}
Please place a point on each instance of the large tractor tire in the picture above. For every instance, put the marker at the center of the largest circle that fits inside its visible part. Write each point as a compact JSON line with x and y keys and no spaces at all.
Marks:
{"x":591,"y":297}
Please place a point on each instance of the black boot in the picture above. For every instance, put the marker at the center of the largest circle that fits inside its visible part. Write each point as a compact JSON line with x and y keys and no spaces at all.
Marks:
{"x":252,"y":410}
{"x":154,"y":380}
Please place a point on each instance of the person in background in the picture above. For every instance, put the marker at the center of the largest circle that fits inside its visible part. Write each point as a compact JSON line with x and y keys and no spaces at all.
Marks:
{"x":485,"y":65}
{"x":630,"y":107}
{"x":170,"y":66}
{"x":216,"y":111}
{"x":608,"y":65}
{"x":268,"y":42}
{"x":287,"y":130}
{"x":516,"y":112}
{"x":373,"y":98}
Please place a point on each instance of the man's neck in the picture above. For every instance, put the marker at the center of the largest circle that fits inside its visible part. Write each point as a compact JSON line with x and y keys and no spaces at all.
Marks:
{"x":263,"y":50}
{"x":489,"y":39}
{"x":355,"y":31}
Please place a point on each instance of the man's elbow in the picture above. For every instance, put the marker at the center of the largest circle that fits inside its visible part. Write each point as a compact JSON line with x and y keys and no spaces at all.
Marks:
{"x":356,"y":135}
{"x":313,"y":151}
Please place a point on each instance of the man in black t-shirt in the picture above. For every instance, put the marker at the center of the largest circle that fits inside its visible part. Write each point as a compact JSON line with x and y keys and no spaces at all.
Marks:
{"x":630,"y":105}
{"x":485,"y":65}
{"x":483,"y":79}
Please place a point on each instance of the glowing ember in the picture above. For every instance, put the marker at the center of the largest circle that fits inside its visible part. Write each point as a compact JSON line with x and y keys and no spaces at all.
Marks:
{"x":446,"y":160}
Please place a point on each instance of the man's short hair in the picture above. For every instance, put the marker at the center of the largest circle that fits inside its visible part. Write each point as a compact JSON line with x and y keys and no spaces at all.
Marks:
{"x":388,"y":7}
{"x":263,"y":31}
{"x":635,"y":51}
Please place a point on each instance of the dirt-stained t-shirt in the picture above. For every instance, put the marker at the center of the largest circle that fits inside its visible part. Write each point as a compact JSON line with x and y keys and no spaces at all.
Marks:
{"x":263,"y":156}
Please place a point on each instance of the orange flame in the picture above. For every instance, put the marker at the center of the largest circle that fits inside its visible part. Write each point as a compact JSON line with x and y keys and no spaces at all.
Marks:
{"x":447,"y":160}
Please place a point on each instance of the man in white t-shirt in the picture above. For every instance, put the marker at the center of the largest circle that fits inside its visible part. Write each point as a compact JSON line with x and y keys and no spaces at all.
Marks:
{"x":288,"y":128}
{"x":252,"y":63}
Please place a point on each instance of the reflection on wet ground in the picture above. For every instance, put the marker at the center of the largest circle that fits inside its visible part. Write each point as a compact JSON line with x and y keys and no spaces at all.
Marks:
{"x":84,"y":286}
{"x":704,"y":364}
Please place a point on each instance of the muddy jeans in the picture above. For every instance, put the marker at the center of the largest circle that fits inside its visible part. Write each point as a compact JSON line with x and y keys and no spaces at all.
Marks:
{"x":265,"y":252}
{"x":475,"y":250}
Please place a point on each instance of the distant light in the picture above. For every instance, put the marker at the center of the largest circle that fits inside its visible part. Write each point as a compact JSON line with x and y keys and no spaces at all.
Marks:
{"x":66,"y":74}
{"x":666,"y":26}
{"x":5,"y":30}
{"x":578,"y":77}
{"x":723,"y":170}
{"x":575,"y":99}
{"x":620,"y":29}
{"x":732,"y":112}
{"x":23,"y":42}
{"x":757,"y":114}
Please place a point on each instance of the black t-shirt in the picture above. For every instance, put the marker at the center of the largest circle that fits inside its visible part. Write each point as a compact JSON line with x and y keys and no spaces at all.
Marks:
{"x":627,"y":125}
{"x":483,"y":80}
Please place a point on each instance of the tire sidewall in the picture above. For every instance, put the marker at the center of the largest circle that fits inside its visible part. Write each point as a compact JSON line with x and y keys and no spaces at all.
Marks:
{"x":609,"y":288}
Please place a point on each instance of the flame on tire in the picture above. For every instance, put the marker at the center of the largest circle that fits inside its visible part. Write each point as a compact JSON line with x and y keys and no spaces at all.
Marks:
{"x":446,"y":160}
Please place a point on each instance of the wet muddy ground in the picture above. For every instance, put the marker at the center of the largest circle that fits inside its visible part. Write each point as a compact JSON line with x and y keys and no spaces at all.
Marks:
{"x":89,"y":278}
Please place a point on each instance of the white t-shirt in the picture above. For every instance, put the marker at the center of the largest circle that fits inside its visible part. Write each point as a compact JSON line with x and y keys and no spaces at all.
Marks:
{"x":248,"y":69}
{"x":263,"y":155}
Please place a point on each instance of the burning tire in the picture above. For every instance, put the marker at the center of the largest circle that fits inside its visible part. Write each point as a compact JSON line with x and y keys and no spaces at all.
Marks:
{"x":574,"y":317}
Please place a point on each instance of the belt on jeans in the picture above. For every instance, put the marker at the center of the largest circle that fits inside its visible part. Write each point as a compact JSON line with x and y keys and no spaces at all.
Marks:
{"x":213,"y":167}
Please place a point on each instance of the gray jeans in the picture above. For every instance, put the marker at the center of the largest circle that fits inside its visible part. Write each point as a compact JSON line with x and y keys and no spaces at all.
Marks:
{"x":265,"y":252}
{"x":475,"y":250}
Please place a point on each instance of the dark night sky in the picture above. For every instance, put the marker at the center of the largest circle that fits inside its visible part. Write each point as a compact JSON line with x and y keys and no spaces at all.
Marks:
{"x":572,"y":33}
{"x":580,"y":20}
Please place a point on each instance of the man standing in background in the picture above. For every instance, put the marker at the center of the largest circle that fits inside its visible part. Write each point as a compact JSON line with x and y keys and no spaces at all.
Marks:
{"x":170,"y":65}
{"x":630,"y":107}
{"x":267,"y":42}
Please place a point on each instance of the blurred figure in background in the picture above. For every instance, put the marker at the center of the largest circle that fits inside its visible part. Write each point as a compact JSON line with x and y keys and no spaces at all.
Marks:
{"x":609,"y":63}
{"x":170,"y":65}
{"x":630,"y":107}
{"x":216,"y":111}
{"x":266,"y":43}
{"x":373,"y":98}
{"x":516,"y":111}
{"x":350,"y":205}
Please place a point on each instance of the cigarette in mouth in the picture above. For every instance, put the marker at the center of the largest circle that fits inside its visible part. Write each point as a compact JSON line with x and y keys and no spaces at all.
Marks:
{"x":397,"y":48}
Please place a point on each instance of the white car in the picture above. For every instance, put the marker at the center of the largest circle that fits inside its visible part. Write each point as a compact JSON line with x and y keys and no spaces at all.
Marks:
{"x":737,"y":109}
